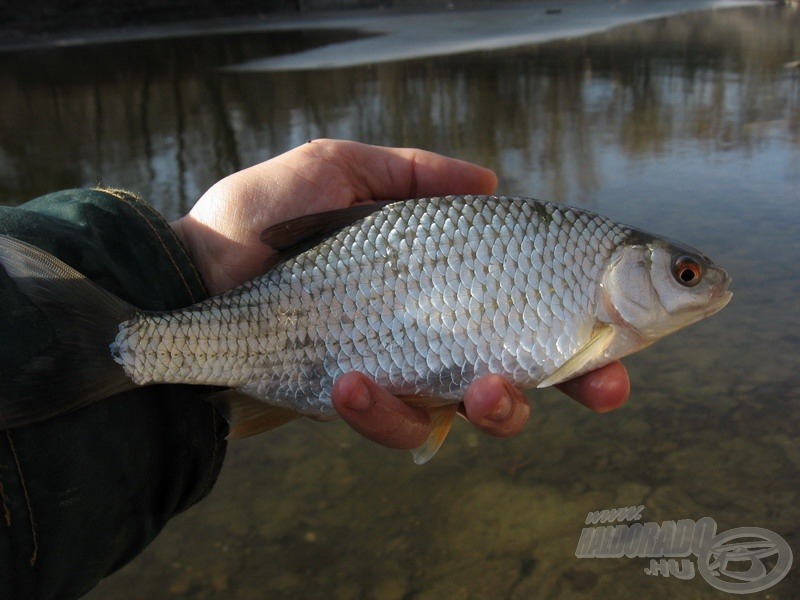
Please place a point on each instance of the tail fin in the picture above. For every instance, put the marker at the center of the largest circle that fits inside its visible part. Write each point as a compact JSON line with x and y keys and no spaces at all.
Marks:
{"x":77,"y":368}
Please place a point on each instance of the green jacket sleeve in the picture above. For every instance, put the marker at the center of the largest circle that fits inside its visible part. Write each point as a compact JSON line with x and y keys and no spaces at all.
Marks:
{"x":83,"y":493}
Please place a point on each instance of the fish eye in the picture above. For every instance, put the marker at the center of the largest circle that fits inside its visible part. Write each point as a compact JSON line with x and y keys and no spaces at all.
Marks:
{"x":687,"y":271}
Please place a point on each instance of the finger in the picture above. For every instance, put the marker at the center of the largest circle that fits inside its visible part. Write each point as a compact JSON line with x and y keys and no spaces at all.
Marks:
{"x":377,"y":415}
{"x":401,"y":173}
{"x":496,"y":407}
{"x":602,"y":390}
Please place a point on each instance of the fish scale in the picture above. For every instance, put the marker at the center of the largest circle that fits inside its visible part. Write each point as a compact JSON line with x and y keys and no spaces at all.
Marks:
{"x":435,"y":293}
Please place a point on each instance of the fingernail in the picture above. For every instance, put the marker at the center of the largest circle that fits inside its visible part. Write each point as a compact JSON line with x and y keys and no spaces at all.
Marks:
{"x":503,"y":409}
{"x":360,"y":399}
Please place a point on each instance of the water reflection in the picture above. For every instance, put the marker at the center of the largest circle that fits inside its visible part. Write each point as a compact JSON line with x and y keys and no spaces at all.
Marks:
{"x":689,"y":126}
{"x":149,"y":116}
{"x":161,"y":119}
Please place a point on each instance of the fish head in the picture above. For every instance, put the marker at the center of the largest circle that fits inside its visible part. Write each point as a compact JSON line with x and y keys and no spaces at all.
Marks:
{"x":654,"y":287}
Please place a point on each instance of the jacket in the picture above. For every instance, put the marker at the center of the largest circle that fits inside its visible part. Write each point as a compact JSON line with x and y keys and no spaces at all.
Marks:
{"x":83,"y":493}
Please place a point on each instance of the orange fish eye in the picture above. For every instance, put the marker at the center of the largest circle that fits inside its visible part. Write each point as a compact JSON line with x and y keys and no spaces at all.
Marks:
{"x":687,"y":271}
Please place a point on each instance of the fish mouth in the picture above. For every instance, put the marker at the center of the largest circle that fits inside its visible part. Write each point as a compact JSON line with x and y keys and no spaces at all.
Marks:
{"x":720,"y":294}
{"x":718,"y":302}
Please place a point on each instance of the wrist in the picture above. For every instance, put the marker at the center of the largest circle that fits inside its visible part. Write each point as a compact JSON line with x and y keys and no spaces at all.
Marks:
{"x":186,"y":230}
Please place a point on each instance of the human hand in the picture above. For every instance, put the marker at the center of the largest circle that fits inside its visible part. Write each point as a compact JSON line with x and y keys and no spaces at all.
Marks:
{"x":223,"y":230}
{"x":222,"y":234}
{"x":491,"y":404}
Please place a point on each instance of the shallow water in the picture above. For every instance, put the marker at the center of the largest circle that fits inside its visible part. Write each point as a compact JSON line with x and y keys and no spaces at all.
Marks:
{"x":688,"y":126}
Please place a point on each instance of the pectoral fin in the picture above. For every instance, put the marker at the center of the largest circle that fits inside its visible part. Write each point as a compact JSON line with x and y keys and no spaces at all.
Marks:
{"x":248,"y":416}
{"x":441,"y":421}
{"x":601,"y":339}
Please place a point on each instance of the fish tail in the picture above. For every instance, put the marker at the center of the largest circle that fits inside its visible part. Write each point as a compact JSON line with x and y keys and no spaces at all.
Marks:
{"x":77,"y":368}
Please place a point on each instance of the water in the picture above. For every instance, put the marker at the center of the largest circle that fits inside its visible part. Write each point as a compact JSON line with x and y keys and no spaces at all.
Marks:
{"x":689,"y":126}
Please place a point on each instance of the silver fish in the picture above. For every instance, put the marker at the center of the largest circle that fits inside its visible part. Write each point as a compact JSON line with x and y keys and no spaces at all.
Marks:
{"x":423,"y":295}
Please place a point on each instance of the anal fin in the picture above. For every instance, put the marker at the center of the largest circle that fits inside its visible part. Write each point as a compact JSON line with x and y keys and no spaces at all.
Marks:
{"x":248,"y":416}
{"x":441,"y":422}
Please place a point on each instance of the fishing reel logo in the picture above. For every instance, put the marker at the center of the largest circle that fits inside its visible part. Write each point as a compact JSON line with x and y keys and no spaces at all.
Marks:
{"x":735,"y":561}
{"x":743,"y":560}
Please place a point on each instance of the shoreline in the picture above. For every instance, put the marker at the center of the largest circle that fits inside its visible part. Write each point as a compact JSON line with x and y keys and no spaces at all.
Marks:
{"x":14,"y":38}
{"x":425,"y":29}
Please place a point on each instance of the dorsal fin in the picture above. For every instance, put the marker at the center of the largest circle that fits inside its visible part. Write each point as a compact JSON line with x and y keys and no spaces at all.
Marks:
{"x":292,"y":237}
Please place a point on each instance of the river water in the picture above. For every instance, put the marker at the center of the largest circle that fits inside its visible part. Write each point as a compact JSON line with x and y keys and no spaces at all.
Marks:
{"x":686,"y":125}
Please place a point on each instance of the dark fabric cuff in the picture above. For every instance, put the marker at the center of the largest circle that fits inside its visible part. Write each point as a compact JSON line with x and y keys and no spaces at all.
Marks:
{"x":83,"y":493}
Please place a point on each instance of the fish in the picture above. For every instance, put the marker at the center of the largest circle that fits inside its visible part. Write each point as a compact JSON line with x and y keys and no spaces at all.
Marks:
{"x":423,"y":295}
